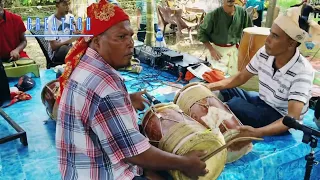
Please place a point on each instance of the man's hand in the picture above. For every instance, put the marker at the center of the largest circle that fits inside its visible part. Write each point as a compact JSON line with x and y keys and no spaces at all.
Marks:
{"x":194,"y":167}
{"x":215,"y":54}
{"x":71,"y":40}
{"x":14,"y":54}
{"x":245,"y":131}
{"x":211,"y":86}
{"x":138,"y":101}
{"x":77,"y":32}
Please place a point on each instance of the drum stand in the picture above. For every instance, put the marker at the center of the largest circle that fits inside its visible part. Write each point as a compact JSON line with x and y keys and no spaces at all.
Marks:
{"x":20,"y":132}
{"x":308,"y":138}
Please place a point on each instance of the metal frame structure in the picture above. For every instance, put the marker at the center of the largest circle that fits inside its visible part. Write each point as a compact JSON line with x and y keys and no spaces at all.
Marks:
{"x":20,"y":132}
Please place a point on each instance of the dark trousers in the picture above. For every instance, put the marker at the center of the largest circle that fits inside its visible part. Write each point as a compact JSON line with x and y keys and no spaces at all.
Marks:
{"x":257,"y":22}
{"x":60,"y":53}
{"x":4,"y":85}
{"x":141,"y":35}
{"x":249,"y":108}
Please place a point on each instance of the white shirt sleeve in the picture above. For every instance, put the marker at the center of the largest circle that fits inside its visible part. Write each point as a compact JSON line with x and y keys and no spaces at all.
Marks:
{"x":300,"y":89}
{"x":50,"y":32}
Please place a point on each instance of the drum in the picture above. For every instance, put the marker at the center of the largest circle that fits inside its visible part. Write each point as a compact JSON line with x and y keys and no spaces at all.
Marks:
{"x":168,"y":128}
{"x":49,"y":96}
{"x":201,"y":104}
{"x":253,"y":38}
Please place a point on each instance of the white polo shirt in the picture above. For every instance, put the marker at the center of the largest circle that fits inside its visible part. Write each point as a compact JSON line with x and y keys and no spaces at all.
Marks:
{"x":291,"y":82}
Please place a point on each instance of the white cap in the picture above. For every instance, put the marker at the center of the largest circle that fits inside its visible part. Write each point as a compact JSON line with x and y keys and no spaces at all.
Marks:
{"x":289,"y":23}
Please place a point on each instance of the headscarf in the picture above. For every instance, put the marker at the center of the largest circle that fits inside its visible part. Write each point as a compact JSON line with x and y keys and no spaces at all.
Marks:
{"x":289,"y":23}
{"x":103,"y":15}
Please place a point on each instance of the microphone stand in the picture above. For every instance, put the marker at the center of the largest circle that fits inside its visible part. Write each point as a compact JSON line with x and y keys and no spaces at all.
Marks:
{"x":308,"y":138}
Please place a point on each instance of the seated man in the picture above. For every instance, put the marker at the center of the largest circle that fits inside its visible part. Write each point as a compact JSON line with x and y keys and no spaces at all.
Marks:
{"x":97,"y":135}
{"x":142,"y":18}
{"x":223,"y":28}
{"x":59,"y":45}
{"x":12,"y":36}
{"x":285,"y":80}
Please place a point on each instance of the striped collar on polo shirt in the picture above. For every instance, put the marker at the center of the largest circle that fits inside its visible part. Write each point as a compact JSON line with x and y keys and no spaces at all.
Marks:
{"x":286,"y":69}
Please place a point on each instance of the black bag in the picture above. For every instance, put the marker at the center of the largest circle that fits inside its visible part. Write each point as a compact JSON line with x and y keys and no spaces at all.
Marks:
{"x":4,"y":85}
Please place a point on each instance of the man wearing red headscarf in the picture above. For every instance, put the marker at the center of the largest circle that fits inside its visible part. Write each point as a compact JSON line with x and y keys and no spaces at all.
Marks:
{"x":97,"y":135}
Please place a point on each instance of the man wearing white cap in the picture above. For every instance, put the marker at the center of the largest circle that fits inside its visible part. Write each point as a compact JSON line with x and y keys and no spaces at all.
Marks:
{"x":285,"y":80}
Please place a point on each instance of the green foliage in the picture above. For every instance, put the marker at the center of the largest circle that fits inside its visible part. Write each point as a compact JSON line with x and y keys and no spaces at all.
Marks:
{"x":285,"y":4}
{"x":18,"y":3}
{"x":36,"y":2}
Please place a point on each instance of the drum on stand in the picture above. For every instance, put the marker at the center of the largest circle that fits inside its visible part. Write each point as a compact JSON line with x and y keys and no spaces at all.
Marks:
{"x":201,"y":104}
{"x":253,"y":38}
{"x":168,"y":128}
{"x":49,"y":96}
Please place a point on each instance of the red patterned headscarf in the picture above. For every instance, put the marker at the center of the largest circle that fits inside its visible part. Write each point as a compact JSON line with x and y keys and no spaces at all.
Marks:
{"x":103,"y":15}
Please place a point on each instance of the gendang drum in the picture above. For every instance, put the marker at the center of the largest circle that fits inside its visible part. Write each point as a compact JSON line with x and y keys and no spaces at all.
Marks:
{"x":253,"y":38}
{"x":202,"y":105}
{"x":49,"y":96}
{"x":168,"y":128}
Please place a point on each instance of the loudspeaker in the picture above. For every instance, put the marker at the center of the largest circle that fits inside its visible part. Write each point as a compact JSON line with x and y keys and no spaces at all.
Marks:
{"x":4,"y":85}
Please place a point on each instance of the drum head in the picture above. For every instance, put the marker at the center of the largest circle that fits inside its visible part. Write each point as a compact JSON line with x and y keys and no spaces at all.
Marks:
{"x":23,"y":62}
{"x":236,"y":155}
{"x":257,"y":31}
{"x":48,"y":97}
{"x":209,"y":142}
{"x":190,"y":94}
{"x":5,"y":64}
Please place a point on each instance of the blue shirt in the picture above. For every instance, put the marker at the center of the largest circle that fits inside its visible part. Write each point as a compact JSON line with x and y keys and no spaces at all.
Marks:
{"x":254,"y":3}
{"x":113,"y":2}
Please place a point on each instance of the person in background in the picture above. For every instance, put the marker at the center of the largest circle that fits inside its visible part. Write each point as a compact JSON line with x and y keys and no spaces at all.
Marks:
{"x":260,"y":4}
{"x":221,"y":33}
{"x":58,"y":31}
{"x":142,"y":18}
{"x":285,"y":80}
{"x":12,"y":36}
{"x":306,"y":8}
{"x":97,"y":135}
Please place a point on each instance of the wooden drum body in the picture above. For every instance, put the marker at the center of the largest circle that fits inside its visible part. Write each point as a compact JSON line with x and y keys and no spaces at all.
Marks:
{"x":203,"y":106}
{"x":253,"y":38}
{"x":168,"y":128}
{"x":49,"y":96}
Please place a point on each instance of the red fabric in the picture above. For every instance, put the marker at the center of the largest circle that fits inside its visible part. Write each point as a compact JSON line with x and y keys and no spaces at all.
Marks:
{"x":213,"y":76}
{"x":11,"y":29}
{"x":103,"y":15}
{"x":18,"y":96}
{"x":227,"y":45}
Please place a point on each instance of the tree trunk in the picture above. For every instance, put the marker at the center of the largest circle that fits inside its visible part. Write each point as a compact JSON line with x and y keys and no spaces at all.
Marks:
{"x":270,"y":13}
{"x":79,"y":7}
{"x":150,"y":38}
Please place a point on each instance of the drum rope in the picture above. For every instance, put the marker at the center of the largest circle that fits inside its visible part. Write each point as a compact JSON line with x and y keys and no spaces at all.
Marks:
{"x":248,"y":52}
